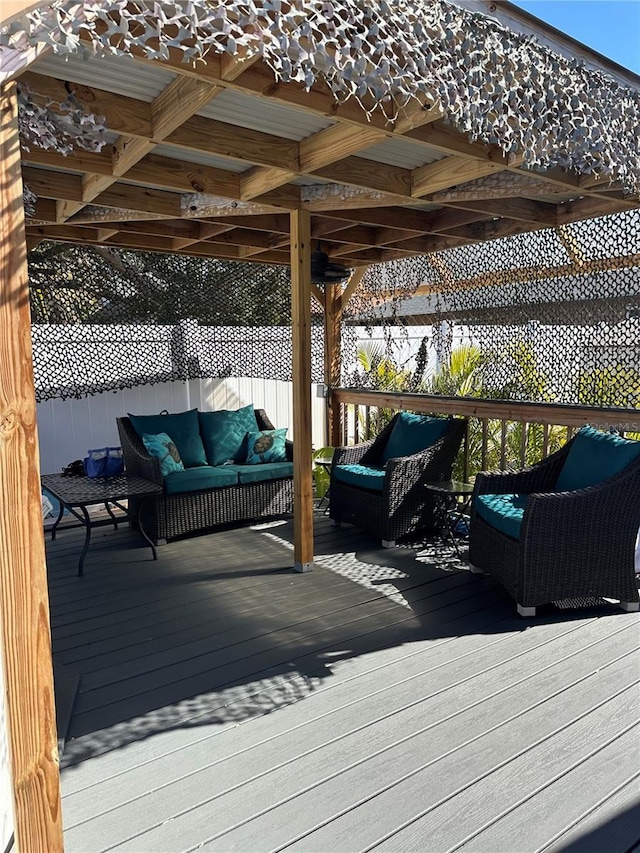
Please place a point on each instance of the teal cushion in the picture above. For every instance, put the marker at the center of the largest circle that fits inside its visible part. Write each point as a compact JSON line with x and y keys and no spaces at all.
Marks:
{"x":267,"y":445}
{"x":504,"y":512}
{"x":225,"y":434}
{"x":182,"y":427}
{"x":593,"y":457}
{"x":260,"y":473}
{"x":197,"y":479}
{"x":361,"y":476}
{"x":413,"y":433}
{"x":164,"y":449}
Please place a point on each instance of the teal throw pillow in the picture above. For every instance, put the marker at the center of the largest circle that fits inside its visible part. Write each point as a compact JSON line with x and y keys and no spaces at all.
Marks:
{"x":225,"y":434}
{"x":268,"y":445}
{"x":595,"y":456}
{"x":163,"y":448}
{"x":183,"y":428}
{"x":412,"y":433}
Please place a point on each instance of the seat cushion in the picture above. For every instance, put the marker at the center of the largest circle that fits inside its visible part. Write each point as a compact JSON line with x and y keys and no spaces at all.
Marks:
{"x":183,"y":428}
{"x":262,"y":472}
{"x":362,"y":476}
{"x":224,"y":434}
{"x":595,"y":456}
{"x":504,"y":512}
{"x":413,"y":433}
{"x":199,"y":479}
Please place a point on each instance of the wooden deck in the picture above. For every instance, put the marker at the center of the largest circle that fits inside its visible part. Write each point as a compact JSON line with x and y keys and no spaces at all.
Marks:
{"x":388,"y":701}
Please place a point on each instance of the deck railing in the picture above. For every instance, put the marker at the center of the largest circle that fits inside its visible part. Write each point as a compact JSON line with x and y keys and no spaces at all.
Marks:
{"x":501,"y":435}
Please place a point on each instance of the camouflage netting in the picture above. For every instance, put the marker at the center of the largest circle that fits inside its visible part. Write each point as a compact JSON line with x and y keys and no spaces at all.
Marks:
{"x":493,"y":84}
{"x":548,"y":316}
{"x":105,"y":319}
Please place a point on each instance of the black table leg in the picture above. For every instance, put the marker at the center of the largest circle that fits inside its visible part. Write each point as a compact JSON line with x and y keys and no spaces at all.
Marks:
{"x":143,"y":532}
{"x":87,"y":538}
{"x":107,"y":506}
{"x":58,"y":519}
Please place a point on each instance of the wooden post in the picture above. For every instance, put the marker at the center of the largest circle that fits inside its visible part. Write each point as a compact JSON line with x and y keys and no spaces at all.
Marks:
{"x":301,"y":323}
{"x":24,"y":603}
{"x":332,"y":358}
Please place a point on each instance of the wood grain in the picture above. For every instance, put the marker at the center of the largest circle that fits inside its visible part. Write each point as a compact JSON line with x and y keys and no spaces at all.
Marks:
{"x":24,"y":603}
{"x":301,"y":328}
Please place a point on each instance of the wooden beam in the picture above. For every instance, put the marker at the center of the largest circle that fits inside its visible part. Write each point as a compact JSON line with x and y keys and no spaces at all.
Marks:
{"x":178,"y":101}
{"x":508,"y":410}
{"x":335,"y":143}
{"x":446,"y":173}
{"x":416,"y":114}
{"x":121,"y":114}
{"x":263,"y":179}
{"x":359,"y":172}
{"x":239,"y":143}
{"x":332,"y":358}
{"x":522,"y":209}
{"x":259,"y":81}
{"x":525,"y":275}
{"x":24,"y":602}
{"x":301,"y":327}
{"x":352,"y":285}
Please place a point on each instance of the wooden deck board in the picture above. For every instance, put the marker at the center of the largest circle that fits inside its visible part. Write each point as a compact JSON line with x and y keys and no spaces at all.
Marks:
{"x":274,"y":809}
{"x":229,"y":703}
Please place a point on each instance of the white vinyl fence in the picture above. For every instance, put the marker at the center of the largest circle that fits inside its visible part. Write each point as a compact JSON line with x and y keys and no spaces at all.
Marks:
{"x":68,"y":428}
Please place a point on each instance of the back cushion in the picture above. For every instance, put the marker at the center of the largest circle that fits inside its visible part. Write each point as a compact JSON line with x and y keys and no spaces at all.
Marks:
{"x":225,"y":434}
{"x":595,"y":456}
{"x":184,"y":430}
{"x":413,"y":433}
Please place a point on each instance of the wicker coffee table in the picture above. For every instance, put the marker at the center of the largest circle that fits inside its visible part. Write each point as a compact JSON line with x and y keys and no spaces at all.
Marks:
{"x":77,"y":493}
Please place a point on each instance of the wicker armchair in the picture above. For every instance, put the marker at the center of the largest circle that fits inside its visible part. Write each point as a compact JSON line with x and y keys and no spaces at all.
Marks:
{"x":404,"y":506}
{"x":574,"y":545}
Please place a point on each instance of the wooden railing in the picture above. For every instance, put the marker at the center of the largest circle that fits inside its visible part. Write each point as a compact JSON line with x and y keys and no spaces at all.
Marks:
{"x":501,"y":433}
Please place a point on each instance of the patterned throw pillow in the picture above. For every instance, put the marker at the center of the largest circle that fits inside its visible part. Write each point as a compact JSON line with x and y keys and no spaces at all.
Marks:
{"x":266,"y":446}
{"x":164,"y":449}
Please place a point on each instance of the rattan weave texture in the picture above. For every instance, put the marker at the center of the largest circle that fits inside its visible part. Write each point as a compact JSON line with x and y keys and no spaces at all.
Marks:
{"x":169,"y":516}
{"x":404,"y":505}
{"x":572,"y":544}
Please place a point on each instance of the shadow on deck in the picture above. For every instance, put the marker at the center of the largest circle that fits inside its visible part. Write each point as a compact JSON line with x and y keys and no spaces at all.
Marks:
{"x":424,"y":690}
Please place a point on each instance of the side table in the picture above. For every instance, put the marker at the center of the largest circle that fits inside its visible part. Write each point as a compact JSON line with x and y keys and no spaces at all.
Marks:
{"x":77,"y":493}
{"x":325,"y":463}
{"x":452,"y":500}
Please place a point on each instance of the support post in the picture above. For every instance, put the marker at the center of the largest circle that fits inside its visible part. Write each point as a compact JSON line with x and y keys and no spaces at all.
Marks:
{"x":332,"y":358}
{"x":24,"y":602}
{"x":302,"y":448}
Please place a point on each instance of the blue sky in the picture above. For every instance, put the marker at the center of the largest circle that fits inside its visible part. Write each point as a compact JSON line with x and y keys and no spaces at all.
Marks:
{"x":612,"y":27}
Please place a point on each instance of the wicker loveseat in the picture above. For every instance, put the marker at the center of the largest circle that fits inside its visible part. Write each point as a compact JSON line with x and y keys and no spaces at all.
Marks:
{"x":245,"y":492}
{"x":379,"y":485}
{"x":564,"y":529}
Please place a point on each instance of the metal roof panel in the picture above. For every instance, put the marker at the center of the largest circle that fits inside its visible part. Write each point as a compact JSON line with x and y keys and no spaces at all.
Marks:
{"x":264,"y":115}
{"x":118,"y":74}
{"x":402,"y":153}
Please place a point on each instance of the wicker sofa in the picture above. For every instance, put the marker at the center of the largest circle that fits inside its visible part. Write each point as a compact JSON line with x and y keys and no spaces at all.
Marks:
{"x":559,"y":543}
{"x":171,"y":515}
{"x":400,"y":504}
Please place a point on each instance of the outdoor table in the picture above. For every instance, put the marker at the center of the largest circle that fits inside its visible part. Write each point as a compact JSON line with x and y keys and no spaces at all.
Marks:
{"x":452,"y":500}
{"x":325,"y":463}
{"x":77,"y":493}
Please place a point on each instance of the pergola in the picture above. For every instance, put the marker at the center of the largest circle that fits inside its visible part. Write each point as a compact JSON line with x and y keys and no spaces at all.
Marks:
{"x":260,"y":132}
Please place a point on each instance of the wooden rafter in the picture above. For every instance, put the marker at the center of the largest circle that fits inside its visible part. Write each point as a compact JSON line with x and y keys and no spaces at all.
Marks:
{"x":363,"y":211}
